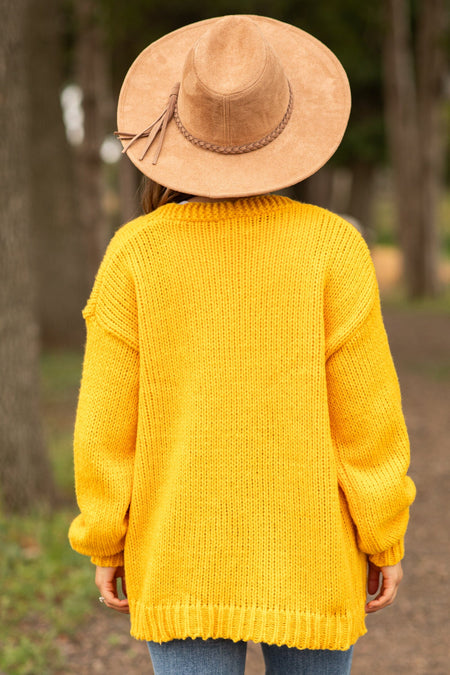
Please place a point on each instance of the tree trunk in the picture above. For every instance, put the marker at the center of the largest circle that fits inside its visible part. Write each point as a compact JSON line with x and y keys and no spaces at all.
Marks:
{"x":317,"y":189}
{"x":93,"y":78}
{"x":25,"y":474}
{"x":361,"y":195}
{"x":130,"y":207}
{"x":61,"y":274}
{"x":414,"y":138}
{"x":431,"y":71}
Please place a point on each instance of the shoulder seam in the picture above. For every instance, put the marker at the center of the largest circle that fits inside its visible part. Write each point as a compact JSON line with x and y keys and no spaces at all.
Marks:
{"x":356,"y":241}
{"x":347,"y":337}
{"x":115,"y":253}
{"x":92,"y":315}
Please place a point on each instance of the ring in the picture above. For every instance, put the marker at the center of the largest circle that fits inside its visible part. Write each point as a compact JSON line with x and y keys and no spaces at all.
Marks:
{"x":101,"y":599}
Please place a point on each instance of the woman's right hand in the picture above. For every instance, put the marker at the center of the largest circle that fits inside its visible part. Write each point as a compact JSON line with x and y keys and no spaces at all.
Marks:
{"x":392,"y":576}
{"x":106,"y":582}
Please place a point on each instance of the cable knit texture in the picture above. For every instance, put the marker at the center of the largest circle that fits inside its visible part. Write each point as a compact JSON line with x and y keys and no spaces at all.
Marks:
{"x":239,"y":441}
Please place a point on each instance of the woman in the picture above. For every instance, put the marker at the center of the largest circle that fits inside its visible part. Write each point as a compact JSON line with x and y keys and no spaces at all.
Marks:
{"x":240,"y":450}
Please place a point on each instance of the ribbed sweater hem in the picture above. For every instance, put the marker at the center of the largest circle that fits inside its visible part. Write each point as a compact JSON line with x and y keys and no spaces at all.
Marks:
{"x":282,"y":627}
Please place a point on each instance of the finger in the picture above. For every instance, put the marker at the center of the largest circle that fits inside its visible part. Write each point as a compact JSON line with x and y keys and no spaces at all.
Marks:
{"x":113,"y":602}
{"x":121,"y":606}
{"x":373,"y":579}
{"x":108,"y":591}
{"x":384,"y":598}
{"x":124,"y":586}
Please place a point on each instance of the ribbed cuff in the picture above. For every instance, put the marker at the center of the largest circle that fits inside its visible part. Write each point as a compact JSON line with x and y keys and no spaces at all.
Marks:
{"x":110,"y":561}
{"x":392,"y":556}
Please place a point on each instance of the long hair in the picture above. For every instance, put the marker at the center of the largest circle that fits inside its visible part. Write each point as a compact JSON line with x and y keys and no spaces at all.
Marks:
{"x":154,"y":195}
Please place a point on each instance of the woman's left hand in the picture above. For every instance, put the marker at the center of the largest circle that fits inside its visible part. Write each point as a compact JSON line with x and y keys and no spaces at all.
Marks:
{"x":391,"y":578}
{"x":106,"y":582}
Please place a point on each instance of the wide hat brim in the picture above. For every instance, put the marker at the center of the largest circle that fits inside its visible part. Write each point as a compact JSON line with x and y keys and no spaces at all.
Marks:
{"x":321,"y":108}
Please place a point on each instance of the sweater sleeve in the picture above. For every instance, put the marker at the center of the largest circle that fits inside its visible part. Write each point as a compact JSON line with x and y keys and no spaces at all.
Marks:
{"x":367,"y":423}
{"x":106,"y":419}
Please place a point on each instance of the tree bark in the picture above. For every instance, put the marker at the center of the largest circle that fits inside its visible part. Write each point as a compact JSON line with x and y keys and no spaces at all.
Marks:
{"x":25,"y":474}
{"x":57,"y":241}
{"x":93,"y":77}
{"x":431,"y":71}
{"x":130,"y":207}
{"x":412,"y":108}
{"x":317,"y":189}
{"x":361,"y":195}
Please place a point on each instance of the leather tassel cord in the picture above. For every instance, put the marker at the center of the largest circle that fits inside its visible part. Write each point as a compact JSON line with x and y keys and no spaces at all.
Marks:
{"x":158,"y":126}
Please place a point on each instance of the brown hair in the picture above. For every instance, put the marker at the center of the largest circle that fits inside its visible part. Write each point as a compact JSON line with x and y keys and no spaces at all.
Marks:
{"x":154,"y":195}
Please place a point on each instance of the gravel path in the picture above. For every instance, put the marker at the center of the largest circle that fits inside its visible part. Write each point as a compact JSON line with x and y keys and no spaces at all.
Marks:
{"x":411,"y":636}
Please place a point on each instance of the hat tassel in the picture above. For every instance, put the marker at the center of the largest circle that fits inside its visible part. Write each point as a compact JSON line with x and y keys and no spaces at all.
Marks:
{"x":159,"y":126}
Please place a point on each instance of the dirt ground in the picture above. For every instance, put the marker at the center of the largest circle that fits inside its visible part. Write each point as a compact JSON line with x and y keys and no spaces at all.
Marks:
{"x":411,"y":636}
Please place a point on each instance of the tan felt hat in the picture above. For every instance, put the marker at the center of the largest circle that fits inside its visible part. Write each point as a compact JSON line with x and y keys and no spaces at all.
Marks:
{"x":233,"y":106}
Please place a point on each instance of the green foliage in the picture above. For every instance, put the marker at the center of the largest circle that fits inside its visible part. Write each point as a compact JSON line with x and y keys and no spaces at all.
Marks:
{"x":384,"y":217}
{"x":47,"y":589}
{"x":353,"y":31}
{"x":60,"y":451}
{"x":397,"y":300}
{"x":444,"y":219}
{"x":440,"y":372}
{"x":60,"y":375}
{"x":60,"y":380}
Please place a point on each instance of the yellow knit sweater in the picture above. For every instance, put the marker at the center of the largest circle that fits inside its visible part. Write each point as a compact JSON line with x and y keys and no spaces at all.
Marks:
{"x":239,"y":440}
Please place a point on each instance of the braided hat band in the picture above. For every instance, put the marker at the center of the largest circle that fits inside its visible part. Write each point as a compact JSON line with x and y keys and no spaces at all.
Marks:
{"x":159,"y":126}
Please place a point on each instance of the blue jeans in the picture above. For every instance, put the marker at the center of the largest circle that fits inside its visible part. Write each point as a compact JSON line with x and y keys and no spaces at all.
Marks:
{"x":220,"y":656}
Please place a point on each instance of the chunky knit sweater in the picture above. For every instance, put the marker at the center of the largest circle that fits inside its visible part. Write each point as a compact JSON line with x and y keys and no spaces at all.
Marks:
{"x":239,"y":442}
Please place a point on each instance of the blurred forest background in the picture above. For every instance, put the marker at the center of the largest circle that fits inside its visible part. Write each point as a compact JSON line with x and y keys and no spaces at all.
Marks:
{"x":66,"y":188}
